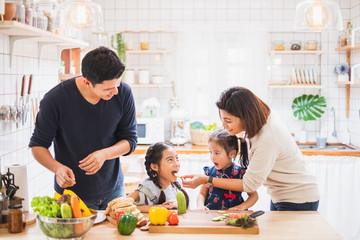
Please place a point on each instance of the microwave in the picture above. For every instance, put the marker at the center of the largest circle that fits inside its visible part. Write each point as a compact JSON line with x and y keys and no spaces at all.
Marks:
{"x":150,"y":130}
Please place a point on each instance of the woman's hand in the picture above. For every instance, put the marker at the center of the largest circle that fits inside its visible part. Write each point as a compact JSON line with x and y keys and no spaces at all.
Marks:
{"x":172,"y":204}
{"x":202,"y":208}
{"x":193,"y":181}
{"x":93,"y":162}
{"x":65,"y":177}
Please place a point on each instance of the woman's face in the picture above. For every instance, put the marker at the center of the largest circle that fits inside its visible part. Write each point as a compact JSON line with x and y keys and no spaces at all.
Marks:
{"x":231,"y":123}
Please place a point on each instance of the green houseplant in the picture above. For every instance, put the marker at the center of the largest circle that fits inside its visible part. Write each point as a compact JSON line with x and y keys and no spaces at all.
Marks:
{"x":309,"y":108}
{"x":119,"y":45}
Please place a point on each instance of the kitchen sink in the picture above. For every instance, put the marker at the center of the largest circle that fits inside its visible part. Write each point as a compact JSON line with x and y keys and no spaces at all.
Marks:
{"x":327,"y":148}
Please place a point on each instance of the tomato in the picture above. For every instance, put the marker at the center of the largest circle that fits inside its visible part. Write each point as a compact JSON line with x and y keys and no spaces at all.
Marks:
{"x":233,"y":215}
{"x":173,"y":219}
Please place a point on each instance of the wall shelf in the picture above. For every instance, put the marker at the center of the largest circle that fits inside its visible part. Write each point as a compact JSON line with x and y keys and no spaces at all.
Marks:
{"x":147,"y":51}
{"x":295,"y":52}
{"x":348,"y":48}
{"x":19,"y":31}
{"x":164,"y":85}
{"x":314,"y":86}
{"x":348,"y":83}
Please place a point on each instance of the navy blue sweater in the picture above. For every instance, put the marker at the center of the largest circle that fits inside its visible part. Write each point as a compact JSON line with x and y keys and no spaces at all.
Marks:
{"x":79,"y":128}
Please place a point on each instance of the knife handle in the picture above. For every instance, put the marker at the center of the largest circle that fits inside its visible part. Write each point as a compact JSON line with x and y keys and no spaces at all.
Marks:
{"x":30,"y":83}
{"x":22,"y":86}
{"x":256,"y":214}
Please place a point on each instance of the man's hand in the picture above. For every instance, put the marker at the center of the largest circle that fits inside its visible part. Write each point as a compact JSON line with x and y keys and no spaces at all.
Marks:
{"x":92,"y":163}
{"x":193,"y":181}
{"x":65,"y":177}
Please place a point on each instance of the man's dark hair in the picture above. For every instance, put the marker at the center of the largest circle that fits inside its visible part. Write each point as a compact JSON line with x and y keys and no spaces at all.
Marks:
{"x":101,"y":64}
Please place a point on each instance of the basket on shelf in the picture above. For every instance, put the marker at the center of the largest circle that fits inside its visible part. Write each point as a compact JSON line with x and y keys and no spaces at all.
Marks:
{"x":200,"y":137}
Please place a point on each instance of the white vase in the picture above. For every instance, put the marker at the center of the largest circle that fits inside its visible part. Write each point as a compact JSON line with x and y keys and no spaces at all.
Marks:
{"x":343,"y":77}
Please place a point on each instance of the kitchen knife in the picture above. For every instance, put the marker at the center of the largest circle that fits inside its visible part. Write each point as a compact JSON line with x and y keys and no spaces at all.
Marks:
{"x":20,"y":107}
{"x":28,"y":96}
{"x":256,"y":214}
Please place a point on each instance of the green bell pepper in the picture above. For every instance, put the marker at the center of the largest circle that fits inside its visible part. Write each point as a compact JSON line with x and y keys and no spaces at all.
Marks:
{"x":127,"y":223}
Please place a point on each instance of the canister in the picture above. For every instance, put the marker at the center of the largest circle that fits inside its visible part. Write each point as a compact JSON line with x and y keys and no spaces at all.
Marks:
{"x":144,"y":76}
{"x":157,"y":79}
{"x":129,"y":76}
{"x":144,"y":40}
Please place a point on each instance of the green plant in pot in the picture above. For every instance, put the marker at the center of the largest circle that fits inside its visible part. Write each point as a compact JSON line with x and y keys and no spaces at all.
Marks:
{"x":118,"y":43}
{"x":309,"y":107}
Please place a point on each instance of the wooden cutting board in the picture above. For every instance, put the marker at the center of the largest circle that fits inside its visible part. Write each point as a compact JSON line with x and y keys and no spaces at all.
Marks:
{"x":201,"y":222}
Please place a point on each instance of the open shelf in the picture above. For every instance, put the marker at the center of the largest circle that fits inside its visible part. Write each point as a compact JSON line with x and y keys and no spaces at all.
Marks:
{"x":348,"y":48}
{"x":295,"y":52}
{"x":314,"y":86}
{"x":147,"y":51}
{"x":348,"y":83}
{"x":19,"y":31}
{"x":164,"y":85}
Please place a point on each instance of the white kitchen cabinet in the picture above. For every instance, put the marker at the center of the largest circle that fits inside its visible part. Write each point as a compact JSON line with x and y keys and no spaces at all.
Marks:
{"x":19,"y":31}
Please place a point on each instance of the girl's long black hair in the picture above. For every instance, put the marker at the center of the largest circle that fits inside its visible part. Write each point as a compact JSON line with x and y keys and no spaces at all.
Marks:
{"x":229,"y":143}
{"x":154,"y":155}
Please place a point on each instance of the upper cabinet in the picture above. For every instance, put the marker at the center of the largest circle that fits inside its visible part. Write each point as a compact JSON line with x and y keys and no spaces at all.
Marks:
{"x":19,"y":31}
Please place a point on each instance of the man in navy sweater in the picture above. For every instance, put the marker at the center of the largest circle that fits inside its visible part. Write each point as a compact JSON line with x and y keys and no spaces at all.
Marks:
{"x":91,"y":120}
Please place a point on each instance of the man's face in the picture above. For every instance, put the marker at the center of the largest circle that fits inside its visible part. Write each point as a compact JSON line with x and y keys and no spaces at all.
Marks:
{"x":107,"y":89}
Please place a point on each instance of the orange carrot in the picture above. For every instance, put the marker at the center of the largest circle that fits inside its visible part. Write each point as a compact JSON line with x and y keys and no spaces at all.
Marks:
{"x":75,"y":207}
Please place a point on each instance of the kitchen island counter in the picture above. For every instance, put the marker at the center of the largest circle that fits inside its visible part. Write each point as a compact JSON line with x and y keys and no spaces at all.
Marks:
{"x":196,"y":149}
{"x":272,"y":225}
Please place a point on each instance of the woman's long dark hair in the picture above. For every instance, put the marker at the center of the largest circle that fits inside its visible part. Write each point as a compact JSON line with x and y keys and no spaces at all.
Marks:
{"x":154,"y":155}
{"x":229,"y":143}
{"x":244,"y":104}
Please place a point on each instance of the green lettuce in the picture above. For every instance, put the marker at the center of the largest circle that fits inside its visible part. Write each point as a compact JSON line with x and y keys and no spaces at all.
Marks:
{"x":46,"y":206}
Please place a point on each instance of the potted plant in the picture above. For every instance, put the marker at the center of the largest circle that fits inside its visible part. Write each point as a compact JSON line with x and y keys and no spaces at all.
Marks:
{"x":309,"y":108}
{"x":119,"y":46}
{"x":342,"y":71}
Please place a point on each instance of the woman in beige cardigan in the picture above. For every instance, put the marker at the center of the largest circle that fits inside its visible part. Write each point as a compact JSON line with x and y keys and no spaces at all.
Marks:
{"x":275,"y":160}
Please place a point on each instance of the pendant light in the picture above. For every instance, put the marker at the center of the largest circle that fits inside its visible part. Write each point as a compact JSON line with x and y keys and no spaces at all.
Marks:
{"x":318,"y":15}
{"x":83,"y":15}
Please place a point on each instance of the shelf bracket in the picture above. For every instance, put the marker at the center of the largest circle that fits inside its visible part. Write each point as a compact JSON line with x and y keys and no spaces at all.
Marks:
{"x":40,"y":48}
{"x":13,"y":39}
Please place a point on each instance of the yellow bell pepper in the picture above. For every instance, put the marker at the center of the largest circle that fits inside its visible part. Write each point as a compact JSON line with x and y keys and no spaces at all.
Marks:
{"x":85,"y":210}
{"x":158,"y":215}
{"x":57,"y":196}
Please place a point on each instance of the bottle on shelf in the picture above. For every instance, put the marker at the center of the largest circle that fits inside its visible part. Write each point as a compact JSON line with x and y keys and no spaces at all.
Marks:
{"x":348,"y":32}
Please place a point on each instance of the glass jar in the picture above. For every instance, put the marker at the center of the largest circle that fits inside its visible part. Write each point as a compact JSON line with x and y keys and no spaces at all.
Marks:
{"x":144,"y":40}
{"x":311,"y":45}
{"x":128,"y":39}
{"x":295,"y":45}
{"x":161,"y":40}
{"x":15,"y":219}
{"x":46,"y":8}
{"x":278,"y":45}
{"x":20,"y":11}
{"x":41,"y":21}
{"x":29,"y":13}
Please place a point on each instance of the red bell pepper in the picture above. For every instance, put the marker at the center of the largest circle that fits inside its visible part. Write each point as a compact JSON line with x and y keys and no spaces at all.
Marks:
{"x":118,"y":216}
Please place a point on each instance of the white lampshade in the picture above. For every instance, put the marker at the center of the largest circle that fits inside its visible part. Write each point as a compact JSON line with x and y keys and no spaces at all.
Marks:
{"x":83,"y":15}
{"x":318,"y":15}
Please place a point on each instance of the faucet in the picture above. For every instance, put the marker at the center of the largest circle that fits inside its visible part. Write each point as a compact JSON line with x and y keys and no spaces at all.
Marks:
{"x":334,"y":134}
